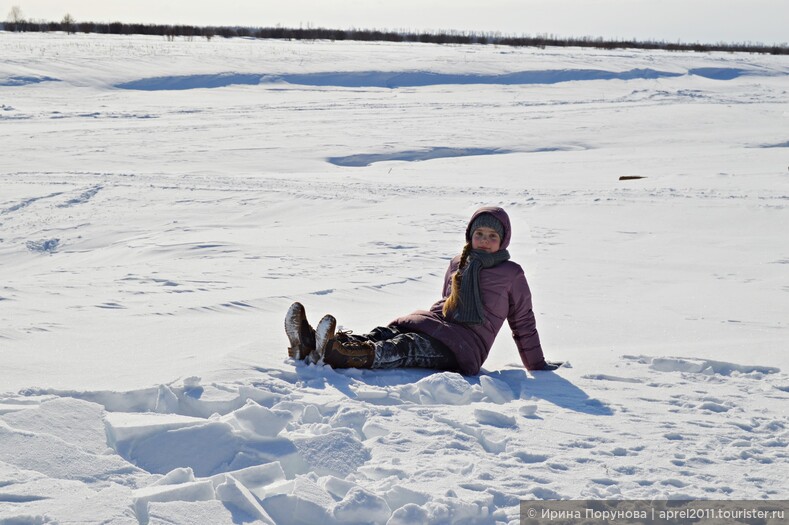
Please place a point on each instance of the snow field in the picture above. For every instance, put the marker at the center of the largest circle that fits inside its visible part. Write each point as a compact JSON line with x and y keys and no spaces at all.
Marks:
{"x":294,"y":452}
{"x":152,"y":240}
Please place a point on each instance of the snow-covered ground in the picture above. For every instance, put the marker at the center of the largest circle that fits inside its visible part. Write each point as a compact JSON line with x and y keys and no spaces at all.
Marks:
{"x":162,"y":203}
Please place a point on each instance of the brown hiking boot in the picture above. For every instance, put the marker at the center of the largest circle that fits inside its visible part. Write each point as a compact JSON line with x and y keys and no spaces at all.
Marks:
{"x":323,"y":334}
{"x":349,"y":354}
{"x":300,"y":334}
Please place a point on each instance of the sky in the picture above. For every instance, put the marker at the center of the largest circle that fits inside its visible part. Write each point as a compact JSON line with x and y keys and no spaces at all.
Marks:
{"x":707,"y":21}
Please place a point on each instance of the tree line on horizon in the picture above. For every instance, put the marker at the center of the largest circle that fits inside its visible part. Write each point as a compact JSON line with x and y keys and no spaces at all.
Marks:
{"x":69,"y":25}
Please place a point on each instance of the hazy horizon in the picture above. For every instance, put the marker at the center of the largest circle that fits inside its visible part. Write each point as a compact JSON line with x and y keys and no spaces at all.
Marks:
{"x":709,"y":21}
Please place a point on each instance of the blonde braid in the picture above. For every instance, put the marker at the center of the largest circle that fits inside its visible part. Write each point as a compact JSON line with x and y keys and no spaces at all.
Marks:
{"x":454,"y":297}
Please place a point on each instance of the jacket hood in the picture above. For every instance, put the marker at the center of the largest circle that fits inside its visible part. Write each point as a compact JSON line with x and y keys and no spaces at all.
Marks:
{"x":501,"y":215}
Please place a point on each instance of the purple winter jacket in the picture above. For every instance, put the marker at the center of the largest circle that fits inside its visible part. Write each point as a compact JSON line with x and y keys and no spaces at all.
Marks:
{"x":505,"y":295}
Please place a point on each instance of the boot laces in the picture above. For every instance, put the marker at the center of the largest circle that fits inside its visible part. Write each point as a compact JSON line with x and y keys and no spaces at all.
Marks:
{"x":342,"y":335}
{"x":352,"y":344}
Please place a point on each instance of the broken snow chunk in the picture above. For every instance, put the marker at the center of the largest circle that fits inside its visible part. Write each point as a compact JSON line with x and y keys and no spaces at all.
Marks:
{"x":311,"y":414}
{"x":497,"y":390}
{"x":259,"y":396}
{"x":371,"y":393}
{"x":492,"y":445}
{"x":696,"y":366}
{"x":336,"y":487}
{"x":350,"y":418}
{"x":192,"y":382}
{"x":409,"y":514}
{"x":399,"y":496}
{"x":258,"y":478}
{"x":73,"y":420}
{"x":467,"y":511}
{"x":495,"y":419}
{"x":361,"y":506}
{"x":188,"y":513}
{"x":166,"y":401}
{"x":56,"y":458}
{"x":305,"y":504}
{"x":379,"y":472}
{"x":336,"y":453}
{"x":278,"y":488}
{"x":208,"y":447}
{"x":676,"y":365}
{"x":253,"y":420}
{"x":235,"y":495}
{"x":177,"y":476}
{"x":197,"y":491}
{"x":447,"y":388}
{"x":528,"y":410}
{"x":373,"y":429}
{"x":123,"y":429}
{"x":295,"y":408}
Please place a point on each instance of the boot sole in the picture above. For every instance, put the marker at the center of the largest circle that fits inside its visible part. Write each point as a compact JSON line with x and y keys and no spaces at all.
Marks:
{"x":323,"y":333}
{"x":293,"y":319}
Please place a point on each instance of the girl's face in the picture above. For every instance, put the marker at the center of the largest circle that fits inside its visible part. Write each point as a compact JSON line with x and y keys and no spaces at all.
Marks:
{"x":485,"y":239}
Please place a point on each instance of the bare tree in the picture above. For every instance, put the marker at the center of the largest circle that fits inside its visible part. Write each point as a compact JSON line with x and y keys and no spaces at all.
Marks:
{"x":15,"y":15}
{"x":15,"y":19}
{"x":69,"y":24}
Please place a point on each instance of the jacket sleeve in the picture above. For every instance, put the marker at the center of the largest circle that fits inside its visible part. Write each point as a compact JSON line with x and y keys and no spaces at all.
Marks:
{"x":453,"y":266}
{"x":523,"y":325}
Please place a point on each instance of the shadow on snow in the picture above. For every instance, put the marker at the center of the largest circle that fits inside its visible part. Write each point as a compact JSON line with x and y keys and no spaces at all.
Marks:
{"x":406,"y":383}
{"x":406,"y":79}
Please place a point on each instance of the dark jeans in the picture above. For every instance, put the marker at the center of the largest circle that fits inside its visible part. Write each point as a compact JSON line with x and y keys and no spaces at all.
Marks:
{"x":395,"y":348}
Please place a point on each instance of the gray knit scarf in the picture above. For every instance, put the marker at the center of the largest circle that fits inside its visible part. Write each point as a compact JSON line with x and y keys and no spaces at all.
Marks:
{"x":470,"y":309}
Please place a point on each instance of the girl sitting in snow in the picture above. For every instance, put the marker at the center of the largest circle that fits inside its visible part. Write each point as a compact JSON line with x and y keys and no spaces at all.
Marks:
{"x":482,"y":287}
